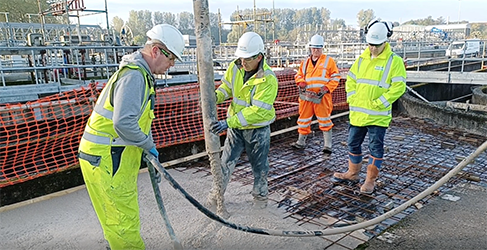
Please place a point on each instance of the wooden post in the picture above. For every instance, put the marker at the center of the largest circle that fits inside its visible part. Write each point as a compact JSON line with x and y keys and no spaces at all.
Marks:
{"x":206,"y":79}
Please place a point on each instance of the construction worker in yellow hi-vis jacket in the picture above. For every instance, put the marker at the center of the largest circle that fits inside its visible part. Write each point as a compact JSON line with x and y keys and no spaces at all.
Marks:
{"x":118,"y":132}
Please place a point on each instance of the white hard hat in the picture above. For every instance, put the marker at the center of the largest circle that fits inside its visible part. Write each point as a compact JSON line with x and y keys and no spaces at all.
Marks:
{"x":316,"y":42}
{"x":249,"y":44}
{"x":170,"y":36}
{"x":378,"y":31}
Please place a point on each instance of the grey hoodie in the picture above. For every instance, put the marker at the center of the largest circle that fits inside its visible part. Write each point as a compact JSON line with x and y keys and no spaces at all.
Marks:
{"x":128,"y":98}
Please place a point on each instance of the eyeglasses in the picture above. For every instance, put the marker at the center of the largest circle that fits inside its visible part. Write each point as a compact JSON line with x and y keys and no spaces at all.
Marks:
{"x":375,"y":45}
{"x":171,"y":57}
{"x":250,"y":58}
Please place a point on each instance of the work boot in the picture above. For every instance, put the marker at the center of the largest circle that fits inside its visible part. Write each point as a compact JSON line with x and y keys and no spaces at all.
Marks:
{"x":369,"y":184}
{"x":301,"y":143}
{"x":260,"y":202}
{"x":211,"y":204}
{"x":351,"y":175}
{"x":327,"y":142}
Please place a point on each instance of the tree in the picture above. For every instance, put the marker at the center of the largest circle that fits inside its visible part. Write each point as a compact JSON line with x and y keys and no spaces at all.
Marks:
{"x":364,"y":17}
{"x":427,"y":21}
{"x":186,"y":23}
{"x":117,"y":24}
{"x":17,"y":10}
{"x":338,"y":24}
{"x":158,"y":17}
{"x":140,"y":22}
{"x":478,"y":30}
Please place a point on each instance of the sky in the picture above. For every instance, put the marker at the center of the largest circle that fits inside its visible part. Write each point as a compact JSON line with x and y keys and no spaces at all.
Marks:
{"x":390,"y":10}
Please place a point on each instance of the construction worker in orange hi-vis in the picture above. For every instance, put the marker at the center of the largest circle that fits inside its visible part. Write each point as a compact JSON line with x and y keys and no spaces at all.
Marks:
{"x":317,"y":78}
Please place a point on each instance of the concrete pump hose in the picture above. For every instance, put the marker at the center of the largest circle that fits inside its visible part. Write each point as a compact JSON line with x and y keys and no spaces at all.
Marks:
{"x":331,"y":231}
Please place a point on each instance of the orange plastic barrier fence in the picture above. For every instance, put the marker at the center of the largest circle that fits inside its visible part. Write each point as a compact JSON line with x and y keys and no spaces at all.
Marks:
{"x":40,"y":138}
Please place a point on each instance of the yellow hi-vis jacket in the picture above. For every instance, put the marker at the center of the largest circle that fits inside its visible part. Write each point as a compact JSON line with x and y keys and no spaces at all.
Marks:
{"x":100,"y":129}
{"x":252,"y":105}
{"x":110,"y":165}
{"x":373,"y":85}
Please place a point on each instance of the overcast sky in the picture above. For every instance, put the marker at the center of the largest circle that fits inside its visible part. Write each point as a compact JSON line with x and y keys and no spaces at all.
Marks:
{"x":392,"y":10}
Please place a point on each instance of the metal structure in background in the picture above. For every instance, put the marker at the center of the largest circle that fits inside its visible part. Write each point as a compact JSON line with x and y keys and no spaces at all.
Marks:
{"x":250,"y":22}
{"x":65,"y":8}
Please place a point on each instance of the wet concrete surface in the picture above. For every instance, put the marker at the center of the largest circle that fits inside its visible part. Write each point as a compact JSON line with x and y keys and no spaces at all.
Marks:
{"x":418,"y":153}
{"x":446,"y":223}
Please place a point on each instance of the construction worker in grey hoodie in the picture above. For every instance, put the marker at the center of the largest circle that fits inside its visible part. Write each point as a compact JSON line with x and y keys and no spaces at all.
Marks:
{"x":118,"y":132}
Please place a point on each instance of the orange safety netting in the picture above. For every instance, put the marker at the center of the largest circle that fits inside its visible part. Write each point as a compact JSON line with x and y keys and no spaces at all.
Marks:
{"x":41,"y":137}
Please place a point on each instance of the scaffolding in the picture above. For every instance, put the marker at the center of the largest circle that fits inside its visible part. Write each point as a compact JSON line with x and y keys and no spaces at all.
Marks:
{"x":67,"y":9}
{"x":250,"y":22}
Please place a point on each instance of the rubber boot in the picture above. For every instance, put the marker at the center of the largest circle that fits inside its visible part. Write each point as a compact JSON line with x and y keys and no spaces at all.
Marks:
{"x":260,"y":202}
{"x":369,"y":184}
{"x":351,"y":175}
{"x":301,"y":143}
{"x":327,"y":142}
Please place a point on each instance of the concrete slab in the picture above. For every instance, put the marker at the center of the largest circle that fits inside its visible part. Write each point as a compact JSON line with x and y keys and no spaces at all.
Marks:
{"x":442,"y":224}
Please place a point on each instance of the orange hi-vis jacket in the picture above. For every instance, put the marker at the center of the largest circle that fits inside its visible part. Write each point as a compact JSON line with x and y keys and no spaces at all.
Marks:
{"x":324,"y":73}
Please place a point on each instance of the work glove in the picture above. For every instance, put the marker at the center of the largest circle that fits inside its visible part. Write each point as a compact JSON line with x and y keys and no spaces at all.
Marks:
{"x":218,"y":126}
{"x":324,"y":90}
{"x":153,"y":151}
{"x":302,"y":85}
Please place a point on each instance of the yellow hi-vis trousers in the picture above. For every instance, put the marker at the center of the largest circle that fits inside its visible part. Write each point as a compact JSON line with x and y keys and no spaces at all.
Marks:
{"x":112,"y":186}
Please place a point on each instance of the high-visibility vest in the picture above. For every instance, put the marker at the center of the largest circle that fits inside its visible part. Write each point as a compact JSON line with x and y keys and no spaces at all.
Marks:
{"x":100,"y":130}
{"x":316,"y":78}
{"x":253,"y":101}
{"x":373,"y":85}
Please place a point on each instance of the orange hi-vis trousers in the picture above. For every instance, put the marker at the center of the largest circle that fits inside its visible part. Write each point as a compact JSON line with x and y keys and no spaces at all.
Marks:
{"x":322,"y":111}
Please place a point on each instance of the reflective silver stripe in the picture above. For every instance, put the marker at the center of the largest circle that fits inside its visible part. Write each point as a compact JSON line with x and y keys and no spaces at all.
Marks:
{"x":227,"y":82}
{"x":119,"y":142}
{"x":241,"y":118}
{"x":269,"y":72}
{"x":240,"y":102}
{"x":304,"y":126}
{"x":383,"y":81}
{"x":350,"y":93}
{"x":316,"y":85}
{"x":352,"y":75}
{"x":96,"y":138}
{"x":384,"y":101}
{"x":261,"y":104}
{"x":325,"y":124}
{"x":370,"y":112}
{"x":94,"y":160}
{"x":398,"y":79}
{"x":326,"y":64}
{"x":335,"y":79}
{"x":224,"y":92}
{"x":234,"y":75}
{"x":317,"y":79}
{"x":304,"y":67}
{"x":323,"y":119}
{"x":252,"y":93}
{"x":368,"y":81}
{"x":99,"y":109}
{"x":265,"y":123}
{"x":359,"y":63}
{"x":305,"y":119}
{"x":374,"y":83}
{"x":335,"y":75}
